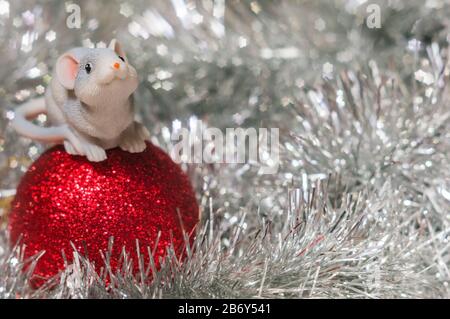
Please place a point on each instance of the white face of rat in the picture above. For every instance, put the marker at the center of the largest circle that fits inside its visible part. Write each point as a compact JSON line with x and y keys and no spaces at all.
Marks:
{"x":98,"y":76}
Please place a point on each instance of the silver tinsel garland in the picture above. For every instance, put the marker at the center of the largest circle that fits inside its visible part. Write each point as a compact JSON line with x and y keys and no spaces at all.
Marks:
{"x":360,"y":207}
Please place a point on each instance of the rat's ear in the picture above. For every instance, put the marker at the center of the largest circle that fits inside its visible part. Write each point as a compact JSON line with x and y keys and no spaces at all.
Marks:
{"x":116,"y":47}
{"x":66,"y":70}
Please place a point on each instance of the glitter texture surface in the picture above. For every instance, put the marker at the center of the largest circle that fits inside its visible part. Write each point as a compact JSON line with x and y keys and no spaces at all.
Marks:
{"x":66,"y":199}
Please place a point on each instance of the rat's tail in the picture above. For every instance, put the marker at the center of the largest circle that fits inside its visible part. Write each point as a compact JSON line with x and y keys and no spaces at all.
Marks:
{"x":55,"y":134}
{"x":23,"y":125}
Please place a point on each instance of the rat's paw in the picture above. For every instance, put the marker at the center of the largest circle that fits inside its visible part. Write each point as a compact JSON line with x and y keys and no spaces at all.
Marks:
{"x":133,"y":138}
{"x":76,"y":145}
{"x":132,"y":145}
{"x":70,"y":149}
{"x":94,"y":153}
{"x":142,"y":131}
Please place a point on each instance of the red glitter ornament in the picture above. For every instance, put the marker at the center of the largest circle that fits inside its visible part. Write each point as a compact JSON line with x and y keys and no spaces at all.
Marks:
{"x":131,"y":197}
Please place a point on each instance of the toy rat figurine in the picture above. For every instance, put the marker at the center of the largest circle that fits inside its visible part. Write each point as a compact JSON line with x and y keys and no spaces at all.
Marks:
{"x":89,"y":103}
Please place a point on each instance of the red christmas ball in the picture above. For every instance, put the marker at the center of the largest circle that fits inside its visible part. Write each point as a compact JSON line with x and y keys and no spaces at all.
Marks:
{"x":65,"y":199}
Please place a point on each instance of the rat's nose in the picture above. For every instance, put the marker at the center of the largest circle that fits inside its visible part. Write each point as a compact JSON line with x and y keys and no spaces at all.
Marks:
{"x":116,"y":65}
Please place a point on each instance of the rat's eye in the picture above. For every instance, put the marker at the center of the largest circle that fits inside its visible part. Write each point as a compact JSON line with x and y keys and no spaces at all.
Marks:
{"x":88,"y":68}
{"x":123,"y":60}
